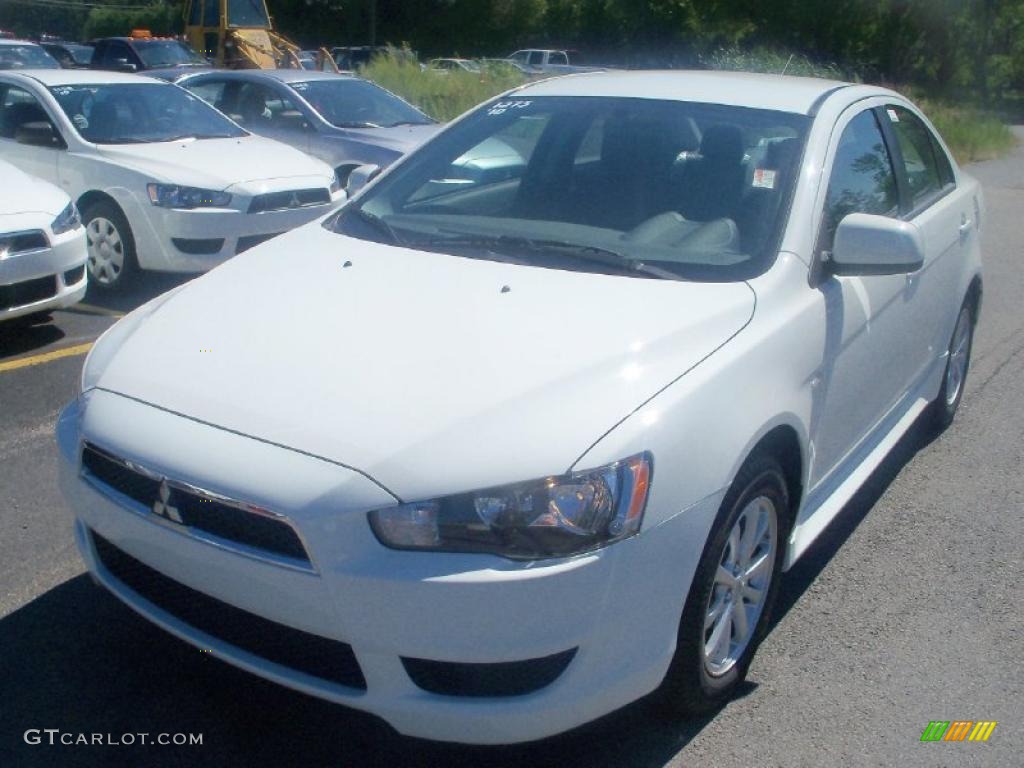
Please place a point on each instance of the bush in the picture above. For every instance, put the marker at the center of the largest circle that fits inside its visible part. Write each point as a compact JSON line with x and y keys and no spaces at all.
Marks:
{"x":442,"y":96}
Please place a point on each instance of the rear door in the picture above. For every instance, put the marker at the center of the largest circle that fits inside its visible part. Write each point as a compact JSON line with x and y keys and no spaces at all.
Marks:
{"x":944,"y":212}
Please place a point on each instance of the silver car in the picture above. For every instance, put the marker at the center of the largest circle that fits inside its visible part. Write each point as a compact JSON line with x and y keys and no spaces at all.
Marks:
{"x":342,"y":119}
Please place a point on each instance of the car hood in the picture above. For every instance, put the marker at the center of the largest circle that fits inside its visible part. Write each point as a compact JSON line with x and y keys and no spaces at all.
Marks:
{"x":400,"y":138}
{"x":21,"y":194}
{"x":430,"y":373}
{"x":218,"y":163}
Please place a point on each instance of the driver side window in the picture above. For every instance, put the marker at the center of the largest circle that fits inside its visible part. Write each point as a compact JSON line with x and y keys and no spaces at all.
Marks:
{"x":19,"y":112}
{"x":862,"y":178}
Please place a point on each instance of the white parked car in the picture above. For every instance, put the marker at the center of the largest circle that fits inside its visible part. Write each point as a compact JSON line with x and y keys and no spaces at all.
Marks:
{"x":509,"y":455}
{"x":42,"y":247}
{"x":23,"y":54}
{"x":164,"y":181}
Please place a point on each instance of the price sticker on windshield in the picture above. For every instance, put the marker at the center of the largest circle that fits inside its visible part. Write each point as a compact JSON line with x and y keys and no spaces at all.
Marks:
{"x":504,"y":106}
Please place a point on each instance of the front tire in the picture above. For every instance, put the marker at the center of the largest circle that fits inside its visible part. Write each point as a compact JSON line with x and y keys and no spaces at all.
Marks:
{"x":110,"y":245}
{"x":733,"y":591}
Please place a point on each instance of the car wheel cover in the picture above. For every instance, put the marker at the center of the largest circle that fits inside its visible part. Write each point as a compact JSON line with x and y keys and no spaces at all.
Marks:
{"x":106,"y":250}
{"x":741,"y":583}
{"x":959,"y":352}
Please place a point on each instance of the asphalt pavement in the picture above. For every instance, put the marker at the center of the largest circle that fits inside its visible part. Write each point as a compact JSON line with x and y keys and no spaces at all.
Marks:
{"x":907,"y":610}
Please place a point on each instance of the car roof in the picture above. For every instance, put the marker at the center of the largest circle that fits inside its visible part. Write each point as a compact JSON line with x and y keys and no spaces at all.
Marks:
{"x":52,"y":77}
{"x":15,"y":41}
{"x":783,"y":93}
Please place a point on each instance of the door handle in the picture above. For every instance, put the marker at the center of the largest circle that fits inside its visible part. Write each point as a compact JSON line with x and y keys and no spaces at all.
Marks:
{"x":965,"y":227}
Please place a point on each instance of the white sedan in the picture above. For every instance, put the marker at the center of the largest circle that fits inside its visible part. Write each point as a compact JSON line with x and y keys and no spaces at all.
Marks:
{"x":164,"y":181}
{"x":42,"y":247}
{"x":514,"y":451}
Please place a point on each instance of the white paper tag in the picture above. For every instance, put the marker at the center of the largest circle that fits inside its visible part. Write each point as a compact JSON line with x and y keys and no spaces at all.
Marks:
{"x":893,"y":116}
{"x":764,"y":178}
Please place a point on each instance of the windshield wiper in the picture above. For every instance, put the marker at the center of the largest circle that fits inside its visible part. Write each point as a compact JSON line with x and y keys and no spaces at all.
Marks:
{"x":356,"y":125}
{"x":589,"y":253}
{"x":406,"y":122}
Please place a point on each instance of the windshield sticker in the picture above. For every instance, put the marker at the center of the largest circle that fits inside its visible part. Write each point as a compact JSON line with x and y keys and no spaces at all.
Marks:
{"x":764,"y":178}
{"x":893,"y":116}
{"x":63,"y":90}
{"x":300,"y":87}
{"x":504,"y":106}
{"x":80,"y":121}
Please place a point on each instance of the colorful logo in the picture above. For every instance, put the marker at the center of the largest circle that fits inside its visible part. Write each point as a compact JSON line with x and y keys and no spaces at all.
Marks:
{"x":958,"y":730}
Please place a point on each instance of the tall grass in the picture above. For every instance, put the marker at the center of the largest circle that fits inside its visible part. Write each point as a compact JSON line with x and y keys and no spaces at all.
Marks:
{"x":971,"y":133}
{"x":774,"y":62}
{"x":442,"y":96}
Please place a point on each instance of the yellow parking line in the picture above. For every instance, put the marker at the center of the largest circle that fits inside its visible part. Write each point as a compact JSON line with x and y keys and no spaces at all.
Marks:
{"x":45,"y":357}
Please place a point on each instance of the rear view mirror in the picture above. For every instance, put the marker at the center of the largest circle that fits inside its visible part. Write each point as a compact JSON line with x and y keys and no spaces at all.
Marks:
{"x":123,"y":65}
{"x":876,"y":245}
{"x":360,"y":177}
{"x":39,"y":134}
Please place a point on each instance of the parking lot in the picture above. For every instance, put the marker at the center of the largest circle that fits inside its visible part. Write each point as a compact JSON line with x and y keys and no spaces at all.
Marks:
{"x":907,"y":610}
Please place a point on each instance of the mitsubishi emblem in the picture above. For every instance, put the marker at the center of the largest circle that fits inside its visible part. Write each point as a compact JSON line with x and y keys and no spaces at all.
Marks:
{"x":162,"y":507}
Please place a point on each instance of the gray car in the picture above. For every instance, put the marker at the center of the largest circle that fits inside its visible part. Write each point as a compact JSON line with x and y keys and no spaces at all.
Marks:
{"x":342,"y":119}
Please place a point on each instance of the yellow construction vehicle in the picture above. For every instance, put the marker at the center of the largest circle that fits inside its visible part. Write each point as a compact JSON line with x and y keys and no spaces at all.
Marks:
{"x":240,"y":34}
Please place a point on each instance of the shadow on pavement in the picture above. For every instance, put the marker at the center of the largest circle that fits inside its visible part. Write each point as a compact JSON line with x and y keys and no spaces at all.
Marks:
{"x":20,"y":336}
{"x":147,"y":285}
{"x":798,"y":579}
{"x":77,"y":660}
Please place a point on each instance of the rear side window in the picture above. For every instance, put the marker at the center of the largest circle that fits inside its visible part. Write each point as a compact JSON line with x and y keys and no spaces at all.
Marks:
{"x":862,"y":179}
{"x":927,"y":167}
{"x":210,"y":91}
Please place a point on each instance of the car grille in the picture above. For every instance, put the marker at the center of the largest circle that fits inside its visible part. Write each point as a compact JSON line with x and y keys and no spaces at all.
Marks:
{"x":251,"y":241}
{"x":16,"y":242}
{"x":28,"y":292}
{"x":198,"y":510}
{"x":330,"y":660}
{"x":290,"y":199}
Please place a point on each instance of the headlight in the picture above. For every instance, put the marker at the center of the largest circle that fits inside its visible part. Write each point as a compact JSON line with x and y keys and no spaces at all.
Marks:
{"x":553,"y":517}
{"x":173,"y":196}
{"x":66,"y":220}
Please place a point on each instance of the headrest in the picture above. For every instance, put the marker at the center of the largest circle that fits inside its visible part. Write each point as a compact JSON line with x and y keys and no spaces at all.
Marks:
{"x":722,"y":144}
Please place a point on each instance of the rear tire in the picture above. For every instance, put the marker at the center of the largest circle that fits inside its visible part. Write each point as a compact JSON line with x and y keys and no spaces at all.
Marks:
{"x":733,"y":591}
{"x":958,"y":362}
{"x":112,"y":264}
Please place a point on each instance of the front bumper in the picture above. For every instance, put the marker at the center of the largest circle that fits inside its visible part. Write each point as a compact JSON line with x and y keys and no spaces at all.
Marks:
{"x":172,"y":240}
{"x":617,"y":609}
{"x":59,"y":271}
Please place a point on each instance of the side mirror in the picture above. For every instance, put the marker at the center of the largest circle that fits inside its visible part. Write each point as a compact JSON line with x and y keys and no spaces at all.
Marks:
{"x":39,"y":134}
{"x":360,"y":177}
{"x":865,"y":244}
{"x":123,"y":65}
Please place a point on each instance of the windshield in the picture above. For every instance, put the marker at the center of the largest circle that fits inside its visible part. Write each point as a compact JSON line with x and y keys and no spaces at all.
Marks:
{"x":26,"y":57}
{"x":165,"y":53}
{"x":632,"y":186}
{"x":347,"y":102}
{"x":135,"y":113}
